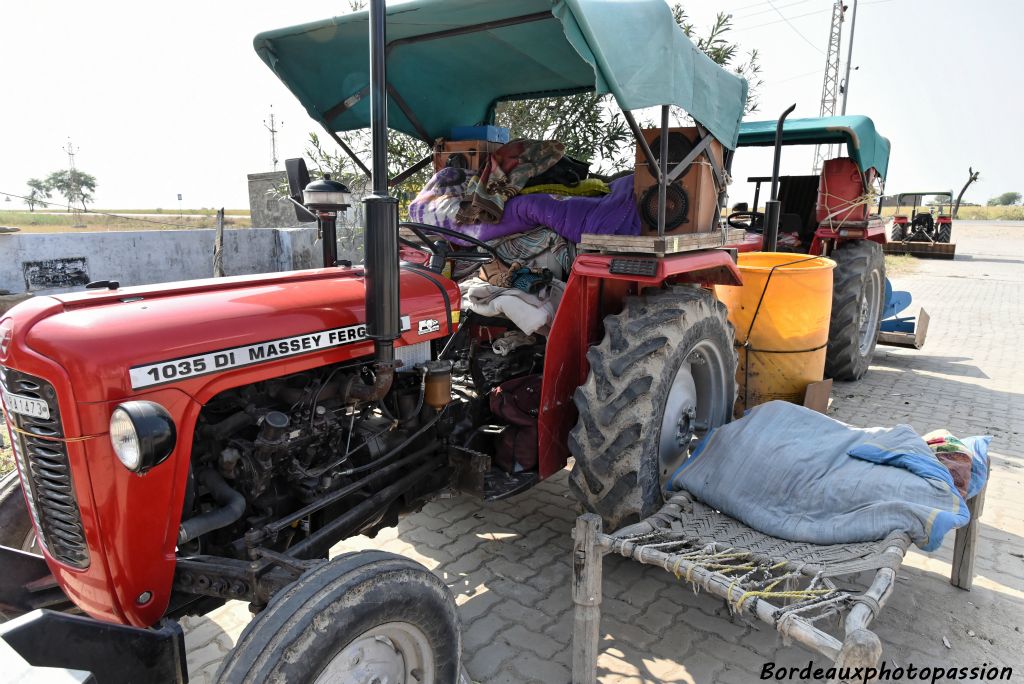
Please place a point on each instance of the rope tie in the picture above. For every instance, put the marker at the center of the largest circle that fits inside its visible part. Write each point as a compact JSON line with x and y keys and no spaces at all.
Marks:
{"x":48,"y":438}
{"x":871,"y":604}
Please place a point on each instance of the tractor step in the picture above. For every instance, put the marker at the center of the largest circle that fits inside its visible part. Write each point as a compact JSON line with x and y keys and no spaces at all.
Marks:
{"x":922,"y":250}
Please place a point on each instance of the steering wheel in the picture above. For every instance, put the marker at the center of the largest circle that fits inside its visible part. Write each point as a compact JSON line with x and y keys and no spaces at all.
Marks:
{"x":754,"y":220}
{"x":441,"y":251}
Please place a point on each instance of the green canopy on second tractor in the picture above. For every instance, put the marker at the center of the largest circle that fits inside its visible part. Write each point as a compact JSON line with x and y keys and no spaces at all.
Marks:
{"x":865,"y":146}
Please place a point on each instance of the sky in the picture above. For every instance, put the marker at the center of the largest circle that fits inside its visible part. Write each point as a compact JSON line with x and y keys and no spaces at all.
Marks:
{"x":166,"y":98}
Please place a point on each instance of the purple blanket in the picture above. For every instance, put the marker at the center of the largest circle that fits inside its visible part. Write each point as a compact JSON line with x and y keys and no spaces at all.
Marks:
{"x":570,"y":217}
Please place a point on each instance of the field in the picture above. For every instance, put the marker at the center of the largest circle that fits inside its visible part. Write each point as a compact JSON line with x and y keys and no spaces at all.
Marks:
{"x":1012,"y":213}
{"x":117,"y":220}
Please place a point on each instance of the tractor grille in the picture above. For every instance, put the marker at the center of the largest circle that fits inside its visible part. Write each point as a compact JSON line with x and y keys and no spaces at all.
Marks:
{"x":42,"y":459}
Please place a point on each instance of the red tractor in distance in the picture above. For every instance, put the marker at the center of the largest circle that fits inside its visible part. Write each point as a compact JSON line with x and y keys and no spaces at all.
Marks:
{"x":829,"y":214}
{"x":186,"y":444}
{"x":929,"y":224}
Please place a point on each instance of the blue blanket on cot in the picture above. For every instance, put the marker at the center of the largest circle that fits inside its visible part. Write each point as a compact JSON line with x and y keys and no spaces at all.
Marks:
{"x":796,"y":474}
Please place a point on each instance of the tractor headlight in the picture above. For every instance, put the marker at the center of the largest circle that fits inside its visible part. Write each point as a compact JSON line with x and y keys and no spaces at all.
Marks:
{"x":142,"y":434}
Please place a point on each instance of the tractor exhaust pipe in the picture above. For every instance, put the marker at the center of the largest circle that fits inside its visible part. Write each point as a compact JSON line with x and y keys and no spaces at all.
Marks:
{"x":381,"y":236}
{"x":773,"y":207}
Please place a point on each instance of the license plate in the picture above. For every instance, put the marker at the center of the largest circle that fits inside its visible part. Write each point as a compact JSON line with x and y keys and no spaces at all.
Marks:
{"x":26,"y":406}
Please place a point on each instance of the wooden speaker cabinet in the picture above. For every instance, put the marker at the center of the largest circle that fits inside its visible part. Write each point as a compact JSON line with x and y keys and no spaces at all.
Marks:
{"x":471,"y":155}
{"x":692,"y":200}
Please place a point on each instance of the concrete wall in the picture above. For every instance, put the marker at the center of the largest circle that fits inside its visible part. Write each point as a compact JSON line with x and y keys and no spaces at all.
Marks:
{"x":45,"y":263}
{"x":266,"y":210}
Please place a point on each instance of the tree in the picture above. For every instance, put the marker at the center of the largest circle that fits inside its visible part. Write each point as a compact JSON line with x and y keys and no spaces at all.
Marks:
{"x":1005,"y":200}
{"x":972,"y":176}
{"x":37,"y":190}
{"x":77,"y":187}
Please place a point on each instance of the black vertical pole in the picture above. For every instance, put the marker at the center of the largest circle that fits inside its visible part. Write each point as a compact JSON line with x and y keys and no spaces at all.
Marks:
{"x":381,"y":238}
{"x":329,"y":237}
{"x":663,"y":175}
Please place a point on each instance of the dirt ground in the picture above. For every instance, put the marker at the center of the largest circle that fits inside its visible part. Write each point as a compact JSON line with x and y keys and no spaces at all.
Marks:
{"x":508,"y":563}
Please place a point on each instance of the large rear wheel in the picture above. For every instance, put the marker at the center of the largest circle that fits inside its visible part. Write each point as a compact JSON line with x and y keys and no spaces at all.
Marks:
{"x":360,"y":618}
{"x":662,"y":377}
{"x":944,"y":232}
{"x":858,"y":297}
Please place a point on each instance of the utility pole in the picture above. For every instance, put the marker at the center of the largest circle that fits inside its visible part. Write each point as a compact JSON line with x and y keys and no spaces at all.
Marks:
{"x":849,"y":57}
{"x":74,"y":190}
{"x":830,"y":84}
{"x":273,"y":136}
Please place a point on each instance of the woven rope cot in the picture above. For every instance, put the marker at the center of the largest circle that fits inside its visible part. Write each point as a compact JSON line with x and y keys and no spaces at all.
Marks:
{"x":790,"y":586}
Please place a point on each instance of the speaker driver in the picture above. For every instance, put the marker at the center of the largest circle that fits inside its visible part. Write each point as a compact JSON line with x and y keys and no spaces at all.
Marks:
{"x":678,"y":147}
{"x":677,"y":207}
{"x":458,"y":161}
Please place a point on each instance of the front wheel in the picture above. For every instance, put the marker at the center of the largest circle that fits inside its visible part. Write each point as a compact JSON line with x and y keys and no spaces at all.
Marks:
{"x":364,"y":617}
{"x":858,"y":297}
{"x":662,"y":377}
{"x":16,"y":529}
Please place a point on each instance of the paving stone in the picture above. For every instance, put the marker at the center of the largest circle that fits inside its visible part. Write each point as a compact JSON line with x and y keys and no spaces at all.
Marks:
{"x":480,"y":633}
{"x":533,"y":640}
{"x":486,"y":662}
{"x":516,"y":612}
{"x":475,"y":605}
{"x":624,"y":632}
{"x":535,"y":669}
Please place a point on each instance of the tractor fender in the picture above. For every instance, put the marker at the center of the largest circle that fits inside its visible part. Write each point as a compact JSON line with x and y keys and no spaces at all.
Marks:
{"x":597,"y":286}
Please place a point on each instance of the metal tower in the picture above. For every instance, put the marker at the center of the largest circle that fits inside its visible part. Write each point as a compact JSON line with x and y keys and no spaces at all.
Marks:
{"x":830,"y":85}
{"x":74,"y":190}
{"x":273,"y":136}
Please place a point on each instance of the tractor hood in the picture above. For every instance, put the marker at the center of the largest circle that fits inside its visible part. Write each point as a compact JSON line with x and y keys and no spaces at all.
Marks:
{"x":197,"y":334}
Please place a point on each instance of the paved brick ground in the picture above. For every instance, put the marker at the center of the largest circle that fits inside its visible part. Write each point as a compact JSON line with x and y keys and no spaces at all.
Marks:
{"x":508,"y":563}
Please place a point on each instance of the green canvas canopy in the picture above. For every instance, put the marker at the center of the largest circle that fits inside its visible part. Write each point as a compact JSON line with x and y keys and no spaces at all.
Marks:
{"x":451,"y":61}
{"x":865,"y":146}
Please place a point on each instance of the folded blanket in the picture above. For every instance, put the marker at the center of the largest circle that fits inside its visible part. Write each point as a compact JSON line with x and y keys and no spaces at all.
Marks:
{"x":539,"y":249}
{"x":796,"y":474}
{"x":530,"y":313}
{"x":508,"y":169}
{"x":438,"y":202}
{"x":612,"y":214}
{"x":588,"y":187}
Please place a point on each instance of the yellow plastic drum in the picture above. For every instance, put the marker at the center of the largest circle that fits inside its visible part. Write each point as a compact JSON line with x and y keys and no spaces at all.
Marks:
{"x":781,"y":314}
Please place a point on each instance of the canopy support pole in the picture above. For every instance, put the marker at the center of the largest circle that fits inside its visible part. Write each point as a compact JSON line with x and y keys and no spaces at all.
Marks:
{"x":663,"y":171}
{"x":411,"y":171}
{"x":348,"y":150}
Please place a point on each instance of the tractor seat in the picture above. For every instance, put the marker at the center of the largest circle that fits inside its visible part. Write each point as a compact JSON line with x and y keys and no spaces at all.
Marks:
{"x":924,"y":220}
{"x":790,"y":223}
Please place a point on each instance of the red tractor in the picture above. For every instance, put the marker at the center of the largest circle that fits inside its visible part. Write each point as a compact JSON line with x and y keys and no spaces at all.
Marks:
{"x":932,"y":225}
{"x":182,"y":445}
{"x":829,"y":214}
